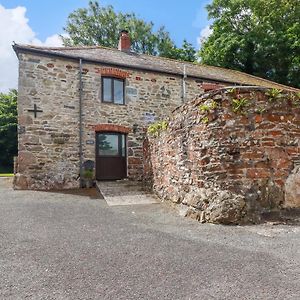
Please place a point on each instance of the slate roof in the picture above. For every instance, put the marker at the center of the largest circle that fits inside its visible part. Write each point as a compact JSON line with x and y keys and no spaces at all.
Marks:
{"x":144,"y":62}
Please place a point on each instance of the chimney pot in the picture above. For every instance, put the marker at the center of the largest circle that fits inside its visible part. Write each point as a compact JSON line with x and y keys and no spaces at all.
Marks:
{"x":124,"y":41}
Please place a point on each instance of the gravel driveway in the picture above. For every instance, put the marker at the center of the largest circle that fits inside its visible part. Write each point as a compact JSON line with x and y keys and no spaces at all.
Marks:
{"x":64,"y":246}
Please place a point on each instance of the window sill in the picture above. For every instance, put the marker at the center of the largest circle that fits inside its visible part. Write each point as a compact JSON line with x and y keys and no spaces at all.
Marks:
{"x":112,"y":103}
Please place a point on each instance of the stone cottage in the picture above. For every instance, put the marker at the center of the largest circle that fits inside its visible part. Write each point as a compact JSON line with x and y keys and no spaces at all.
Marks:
{"x":79,"y":104}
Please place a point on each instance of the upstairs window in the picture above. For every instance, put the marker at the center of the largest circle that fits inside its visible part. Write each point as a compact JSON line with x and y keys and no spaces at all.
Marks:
{"x":112,"y":90}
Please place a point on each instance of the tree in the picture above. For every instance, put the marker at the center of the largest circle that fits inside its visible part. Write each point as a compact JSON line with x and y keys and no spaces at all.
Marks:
{"x":257,"y":37}
{"x":98,"y":25}
{"x":186,"y":53}
{"x":8,"y":130}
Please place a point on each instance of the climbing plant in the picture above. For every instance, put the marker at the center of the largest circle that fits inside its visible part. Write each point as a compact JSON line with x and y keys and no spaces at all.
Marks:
{"x":156,"y":128}
{"x":206,"y":108}
{"x":239,"y":104}
{"x":274,"y":94}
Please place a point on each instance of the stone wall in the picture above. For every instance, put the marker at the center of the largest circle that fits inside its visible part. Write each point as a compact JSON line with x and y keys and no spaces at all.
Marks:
{"x":229,"y":155}
{"x":49,"y":144}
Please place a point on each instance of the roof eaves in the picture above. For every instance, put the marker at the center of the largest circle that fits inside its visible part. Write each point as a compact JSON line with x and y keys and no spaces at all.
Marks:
{"x":47,"y":52}
{"x":50,"y":52}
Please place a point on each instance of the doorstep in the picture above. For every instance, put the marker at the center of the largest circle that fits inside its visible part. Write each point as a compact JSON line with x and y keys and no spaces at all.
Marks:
{"x":125,"y":192}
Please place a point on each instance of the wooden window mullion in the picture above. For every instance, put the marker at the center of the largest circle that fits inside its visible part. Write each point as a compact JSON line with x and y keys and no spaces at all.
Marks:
{"x":120,"y":144}
{"x":112,"y":91}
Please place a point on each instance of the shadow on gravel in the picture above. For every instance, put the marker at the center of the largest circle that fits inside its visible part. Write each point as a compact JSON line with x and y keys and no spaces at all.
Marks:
{"x":289,"y":216}
{"x":92,"y":193}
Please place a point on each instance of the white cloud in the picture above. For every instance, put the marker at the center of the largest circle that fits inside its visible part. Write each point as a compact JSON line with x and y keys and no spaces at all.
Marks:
{"x":14,"y":27}
{"x":204,"y":34}
{"x":51,"y":41}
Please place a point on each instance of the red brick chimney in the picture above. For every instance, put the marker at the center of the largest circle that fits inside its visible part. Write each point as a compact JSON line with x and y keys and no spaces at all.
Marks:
{"x":124,"y":41}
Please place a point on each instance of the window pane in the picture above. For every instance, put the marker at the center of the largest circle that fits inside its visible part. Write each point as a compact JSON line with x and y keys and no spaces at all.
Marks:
{"x":123,"y":145}
{"x":108,"y":144}
{"x":107,"y":96}
{"x":118,"y":91}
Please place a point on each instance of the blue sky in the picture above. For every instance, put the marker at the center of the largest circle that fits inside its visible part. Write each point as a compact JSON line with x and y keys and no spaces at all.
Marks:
{"x":40,"y":22}
{"x":183,"y":19}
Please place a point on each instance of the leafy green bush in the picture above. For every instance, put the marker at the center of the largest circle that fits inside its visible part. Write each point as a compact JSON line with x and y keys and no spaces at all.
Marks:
{"x":88,"y":174}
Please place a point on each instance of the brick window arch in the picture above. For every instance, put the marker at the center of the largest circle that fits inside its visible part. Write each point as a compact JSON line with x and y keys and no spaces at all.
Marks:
{"x":112,"y":128}
{"x":113,"y":72}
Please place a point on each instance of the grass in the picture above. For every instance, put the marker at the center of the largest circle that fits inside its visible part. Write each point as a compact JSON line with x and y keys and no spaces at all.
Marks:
{"x":6,"y":175}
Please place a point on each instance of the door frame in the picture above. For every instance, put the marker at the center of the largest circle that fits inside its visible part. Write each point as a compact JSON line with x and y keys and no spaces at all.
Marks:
{"x":119,"y":134}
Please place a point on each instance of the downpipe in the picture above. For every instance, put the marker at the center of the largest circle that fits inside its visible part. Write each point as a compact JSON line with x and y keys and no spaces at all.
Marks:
{"x":80,"y":125}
